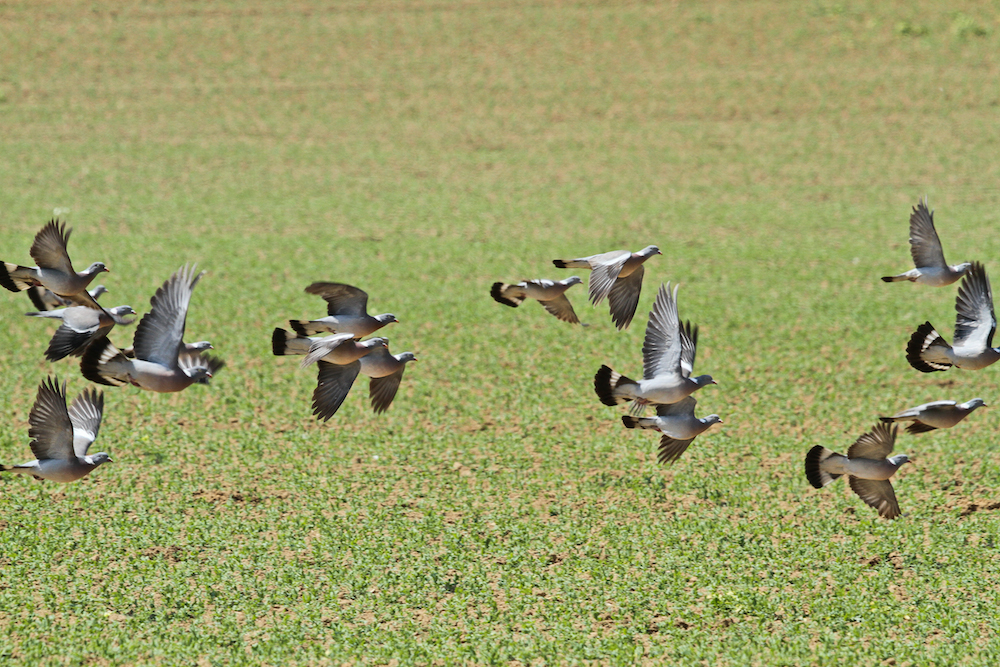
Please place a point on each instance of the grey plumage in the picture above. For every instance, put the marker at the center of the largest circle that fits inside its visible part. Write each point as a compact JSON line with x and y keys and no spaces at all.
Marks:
{"x":551,"y":294}
{"x":80,"y":325}
{"x":678,"y":425}
{"x":385,"y":371}
{"x":928,"y":257}
{"x":867,"y":464}
{"x":615,"y":275}
{"x":45,"y":299}
{"x":347,"y":312}
{"x":161,"y":362}
{"x":975,"y":323}
{"x":934,"y":415}
{"x":54,"y":270}
{"x":61,"y":437}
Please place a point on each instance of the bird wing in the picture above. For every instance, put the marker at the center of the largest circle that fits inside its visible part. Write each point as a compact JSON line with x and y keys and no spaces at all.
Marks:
{"x":382,"y":390}
{"x":160,"y":332}
{"x":49,"y":426}
{"x":333,"y":383}
{"x":877,"y":493}
{"x":689,"y":347}
{"x":341,"y":299}
{"x":604,"y":270}
{"x":85,"y":413}
{"x":925,"y":246}
{"x":875,"y":444}
{"x":661,"y":349}
{"x":671,"y":449}
{"x":624,"y":297}
{"x":49,"y":248}
{"x":974,"y":319}
{"x":561,"y":308}
{"x":685,"y":406}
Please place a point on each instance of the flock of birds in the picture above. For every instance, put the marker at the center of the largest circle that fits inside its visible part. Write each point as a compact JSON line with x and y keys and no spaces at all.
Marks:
{"x":159,"y":359}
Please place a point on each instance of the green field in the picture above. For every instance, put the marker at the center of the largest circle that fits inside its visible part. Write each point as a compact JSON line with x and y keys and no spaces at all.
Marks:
{"x":498,"y":513}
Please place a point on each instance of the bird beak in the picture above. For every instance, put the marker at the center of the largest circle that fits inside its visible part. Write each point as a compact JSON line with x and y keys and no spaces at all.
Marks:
{"x":110,"y":460}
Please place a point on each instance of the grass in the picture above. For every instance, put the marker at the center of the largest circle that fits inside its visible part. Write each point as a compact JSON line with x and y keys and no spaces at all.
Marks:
{"x":498,"y":513}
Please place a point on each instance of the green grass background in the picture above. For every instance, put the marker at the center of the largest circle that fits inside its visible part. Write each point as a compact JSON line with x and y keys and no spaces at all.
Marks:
{"x":498,"y":514}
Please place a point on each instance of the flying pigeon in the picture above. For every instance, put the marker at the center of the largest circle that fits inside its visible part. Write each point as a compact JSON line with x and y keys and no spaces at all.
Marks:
{"x":60,"y":438}
{"x":928,"y":257}
{"x":45,"y":299}
{"x":867,"y":465}
{"x":668,"y":359}
{"x":931,"y":416}
{"x":54,"y":271}
{"x":551,"y":294}
{"x":81,"y":325}
{"x":615,"y":275}
{"x":161,"y":363}
{"x":678,"y":425}
{"x":386,"y":372}
{"x":338,"y":357}
{"x":347,"y":312}
{"x":975,"y":323}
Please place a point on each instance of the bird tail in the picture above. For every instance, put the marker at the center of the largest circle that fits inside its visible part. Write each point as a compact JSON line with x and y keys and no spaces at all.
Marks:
{"x":45,"y":313}
{"x":814,"y":466}
{"x":305,"y":327}
{"x":894,"y":279}
{"x":284,"y":342}
{"x":571,"y":264}
{"x":500,"y":294}
{"x":100,"y":364}
{"x":926,"y":350}
{"x":10,"y":279}
{"x":607,"y":384}
{"x":888,"y":420}
{"x":631,"y":421}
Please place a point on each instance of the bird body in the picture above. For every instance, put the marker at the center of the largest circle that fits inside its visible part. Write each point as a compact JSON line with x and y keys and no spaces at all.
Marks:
{"x":61,"y":437}
{"x":867,"y":464}
{"x":975,"y":323}
{"x":81,"y":325}
{"x":385,"y":372}
{"x":615,"y":275}
{"x":45,"y":299}
{"x":55,"y":270}
{"x":934,"y":415}
{"x":668,"y":359}
{"x":928,"y":256}
{"x":550,"y":293}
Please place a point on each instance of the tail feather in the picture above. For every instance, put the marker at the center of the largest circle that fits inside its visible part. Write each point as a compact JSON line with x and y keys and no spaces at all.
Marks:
{"x":814,"y":466}
{"x":923,"y":338}
{"x":497,"y":292}
{"x":605,"y":383}
{"x":95,"y":359}
{"x":894,"y":279}
{"x":571,"y":264}
{"x":279,"y":341}
{"x":10,"y":280}
{"x":632,"y":421}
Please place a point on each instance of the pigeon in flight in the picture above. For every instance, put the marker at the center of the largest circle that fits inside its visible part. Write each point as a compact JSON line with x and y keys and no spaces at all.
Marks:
{"x":867,"y":465}
{"x":385,"y":371}
{"x":668,"y":354}
{"x":161,"y":362}
{"x":615,"y":275}
{"x":54,"y":271}
{"x":347,"y":312}
{"x":678,"y":425}
{"x":338,"y":358}
{"x":45,"y":299}
{"x":60,"y":438}
{"x":975,"y":323}
{"x":550,"y":293}
{"x":81,"y":325}
{"x":931,"y":416}
{"x":928,"y":257}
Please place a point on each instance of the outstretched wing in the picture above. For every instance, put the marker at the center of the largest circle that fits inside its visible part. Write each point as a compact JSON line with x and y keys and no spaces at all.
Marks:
{"x":925,"y":246}
{"x":877,"y":493}
{"x":661,"y":349}
{"x":160,"y":332}
{"x":624,"y":297}
{"x":49,"y":426}
{"x":49,"y":248}
{"x":974,"y":319}
{"x":333,"y":383}
{"x":561,"y":308}
{"x":875,"y":444}
{"x":85,"y":413}
{"x":341,"y":299}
